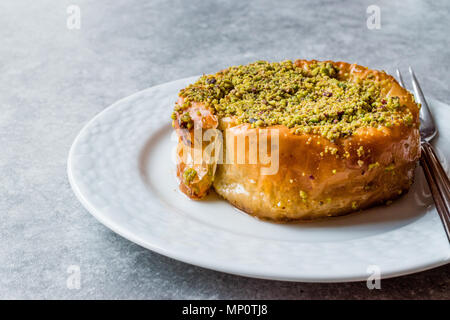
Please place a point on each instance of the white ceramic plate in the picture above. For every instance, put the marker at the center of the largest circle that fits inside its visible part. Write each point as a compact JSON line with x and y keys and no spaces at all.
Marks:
{"x":121,"y":169}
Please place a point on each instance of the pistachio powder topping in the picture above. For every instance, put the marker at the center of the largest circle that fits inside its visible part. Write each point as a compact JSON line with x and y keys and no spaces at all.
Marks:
{"x":189,"y":175}
{"x":311,"y":101}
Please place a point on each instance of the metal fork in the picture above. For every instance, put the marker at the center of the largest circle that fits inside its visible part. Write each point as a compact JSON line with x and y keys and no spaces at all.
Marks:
{"x":436,"y":176}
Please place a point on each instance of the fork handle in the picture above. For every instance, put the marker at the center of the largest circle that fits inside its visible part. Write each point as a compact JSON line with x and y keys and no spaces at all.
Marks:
{"x":438,"y":182}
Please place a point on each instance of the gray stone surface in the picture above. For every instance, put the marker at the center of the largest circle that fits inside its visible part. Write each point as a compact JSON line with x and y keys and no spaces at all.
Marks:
{"x":53,"y":80}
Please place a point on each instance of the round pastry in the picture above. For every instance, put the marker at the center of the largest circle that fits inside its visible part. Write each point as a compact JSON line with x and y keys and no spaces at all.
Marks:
{"x":341,"y":138}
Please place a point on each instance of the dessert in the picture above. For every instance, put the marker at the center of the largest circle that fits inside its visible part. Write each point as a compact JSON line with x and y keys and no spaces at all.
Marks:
{"x":344,"y":138}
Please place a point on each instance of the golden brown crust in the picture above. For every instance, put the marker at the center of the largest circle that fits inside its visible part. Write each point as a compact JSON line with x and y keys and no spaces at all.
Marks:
{"x":371,"y":166}
{"x":304,"y":167}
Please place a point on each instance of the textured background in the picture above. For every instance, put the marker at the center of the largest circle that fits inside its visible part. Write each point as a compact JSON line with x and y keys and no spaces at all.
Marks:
{"x":53,"y":80}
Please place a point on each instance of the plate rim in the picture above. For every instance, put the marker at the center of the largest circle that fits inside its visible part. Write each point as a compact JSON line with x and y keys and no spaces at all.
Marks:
{"x":127,"y":234}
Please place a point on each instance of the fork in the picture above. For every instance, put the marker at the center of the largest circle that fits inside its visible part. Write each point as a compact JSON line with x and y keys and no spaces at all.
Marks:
{"x":436,"y":176}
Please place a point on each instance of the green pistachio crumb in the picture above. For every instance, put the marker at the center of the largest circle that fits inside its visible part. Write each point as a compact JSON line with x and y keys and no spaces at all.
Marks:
{"x":189,"y":175}
{"x":373,"y":165}
{"x":186,"y":121}
{"x":360,"y":151}
{"x":303,"y":195}
{"x":316,"y":99}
